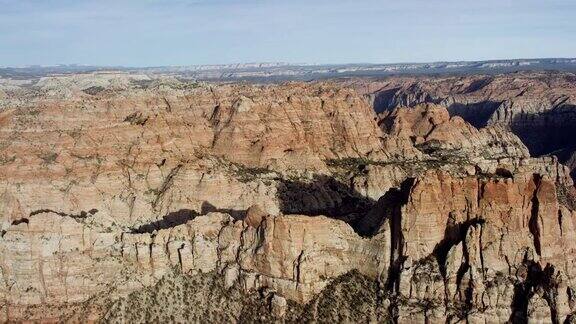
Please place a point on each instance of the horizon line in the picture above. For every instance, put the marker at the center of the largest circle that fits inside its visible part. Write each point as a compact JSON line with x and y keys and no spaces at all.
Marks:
{"x":277,"y":63}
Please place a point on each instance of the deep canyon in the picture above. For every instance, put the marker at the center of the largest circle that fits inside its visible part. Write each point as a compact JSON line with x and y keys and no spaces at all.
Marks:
{"x":126,"y":197}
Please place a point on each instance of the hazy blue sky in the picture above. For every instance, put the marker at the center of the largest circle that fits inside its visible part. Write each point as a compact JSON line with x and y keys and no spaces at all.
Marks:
{"x":180,"y":32}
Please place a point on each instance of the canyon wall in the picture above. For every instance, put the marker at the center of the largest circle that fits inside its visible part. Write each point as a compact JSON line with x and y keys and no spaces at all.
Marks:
{"x":122,"y":196}
{"x":539,"y":107}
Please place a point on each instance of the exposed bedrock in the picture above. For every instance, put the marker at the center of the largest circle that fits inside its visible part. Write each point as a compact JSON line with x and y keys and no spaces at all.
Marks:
{"x":538,"y":107}
{"x":445,"y":247}
{"x":292,"y":202}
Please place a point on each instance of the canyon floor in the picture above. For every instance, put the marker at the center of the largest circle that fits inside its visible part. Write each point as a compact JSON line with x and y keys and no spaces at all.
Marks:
{"x":128,"y":197}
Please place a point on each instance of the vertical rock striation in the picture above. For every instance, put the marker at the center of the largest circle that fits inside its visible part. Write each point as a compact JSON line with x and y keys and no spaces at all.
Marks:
{"x":290,"y":202}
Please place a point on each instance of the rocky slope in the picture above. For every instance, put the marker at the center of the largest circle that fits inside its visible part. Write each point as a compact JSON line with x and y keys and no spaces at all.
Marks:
{"x":539,"y":107}
{"x":130,"y":199}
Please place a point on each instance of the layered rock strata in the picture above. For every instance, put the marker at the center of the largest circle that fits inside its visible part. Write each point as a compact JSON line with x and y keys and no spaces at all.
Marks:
{"x":284,"y":194}
{"x":539,"y":107}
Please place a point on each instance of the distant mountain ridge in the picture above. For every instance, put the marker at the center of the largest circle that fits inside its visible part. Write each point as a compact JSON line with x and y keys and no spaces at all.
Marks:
{"x":268,"y":71}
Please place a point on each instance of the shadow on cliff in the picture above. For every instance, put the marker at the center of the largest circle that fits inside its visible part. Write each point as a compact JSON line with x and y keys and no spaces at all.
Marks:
{"x":388,"y":207}
{"x":322,"y":196}
{"x":454,"y":234}
{"x":168,"y":221}
{"x":329,"y":197}
{"x":383,"y":100}
{"x":183,"y":216}
{"x":546,"y":133}
{"x":390,"y":99}
{"x":477,"y":114}
{"x":235,"y":213}
{"x":537,"y":279}
{"x":551,"y":132}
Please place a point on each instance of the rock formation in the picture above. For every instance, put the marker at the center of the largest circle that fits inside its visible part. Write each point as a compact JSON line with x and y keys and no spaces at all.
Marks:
{"x":132,"y":199}
{"x":539,"y":107}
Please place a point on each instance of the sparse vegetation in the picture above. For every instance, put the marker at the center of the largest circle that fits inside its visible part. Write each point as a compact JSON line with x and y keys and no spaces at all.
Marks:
{"x":7,"y":160}
{"x":203,"y":298}
{"x":566,"y":196}
{"x":48,"y":158}
{"x":136,"y":118}
{"x":351,"y":164}
{"x":427,"y":270}
{"x":94,"y":90}
{"x":247,"y":174}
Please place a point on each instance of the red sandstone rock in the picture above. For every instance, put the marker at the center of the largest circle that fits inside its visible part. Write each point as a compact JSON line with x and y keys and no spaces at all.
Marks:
{"x":106,"y":194}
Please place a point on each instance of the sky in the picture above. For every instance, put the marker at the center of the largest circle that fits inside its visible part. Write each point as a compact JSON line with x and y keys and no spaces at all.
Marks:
{"x":191,"y":32}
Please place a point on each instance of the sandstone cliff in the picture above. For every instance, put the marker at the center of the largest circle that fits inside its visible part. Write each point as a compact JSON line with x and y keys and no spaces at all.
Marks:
{"x":539,"y":107}
{"x":135,"y":199}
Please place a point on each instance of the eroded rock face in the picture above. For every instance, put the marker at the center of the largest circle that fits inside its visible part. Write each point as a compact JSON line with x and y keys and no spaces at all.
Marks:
{"x":478,"y":250}
{"x":431,"y":130}
{"x":538,"y":107}
{"x":296,"y":195}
